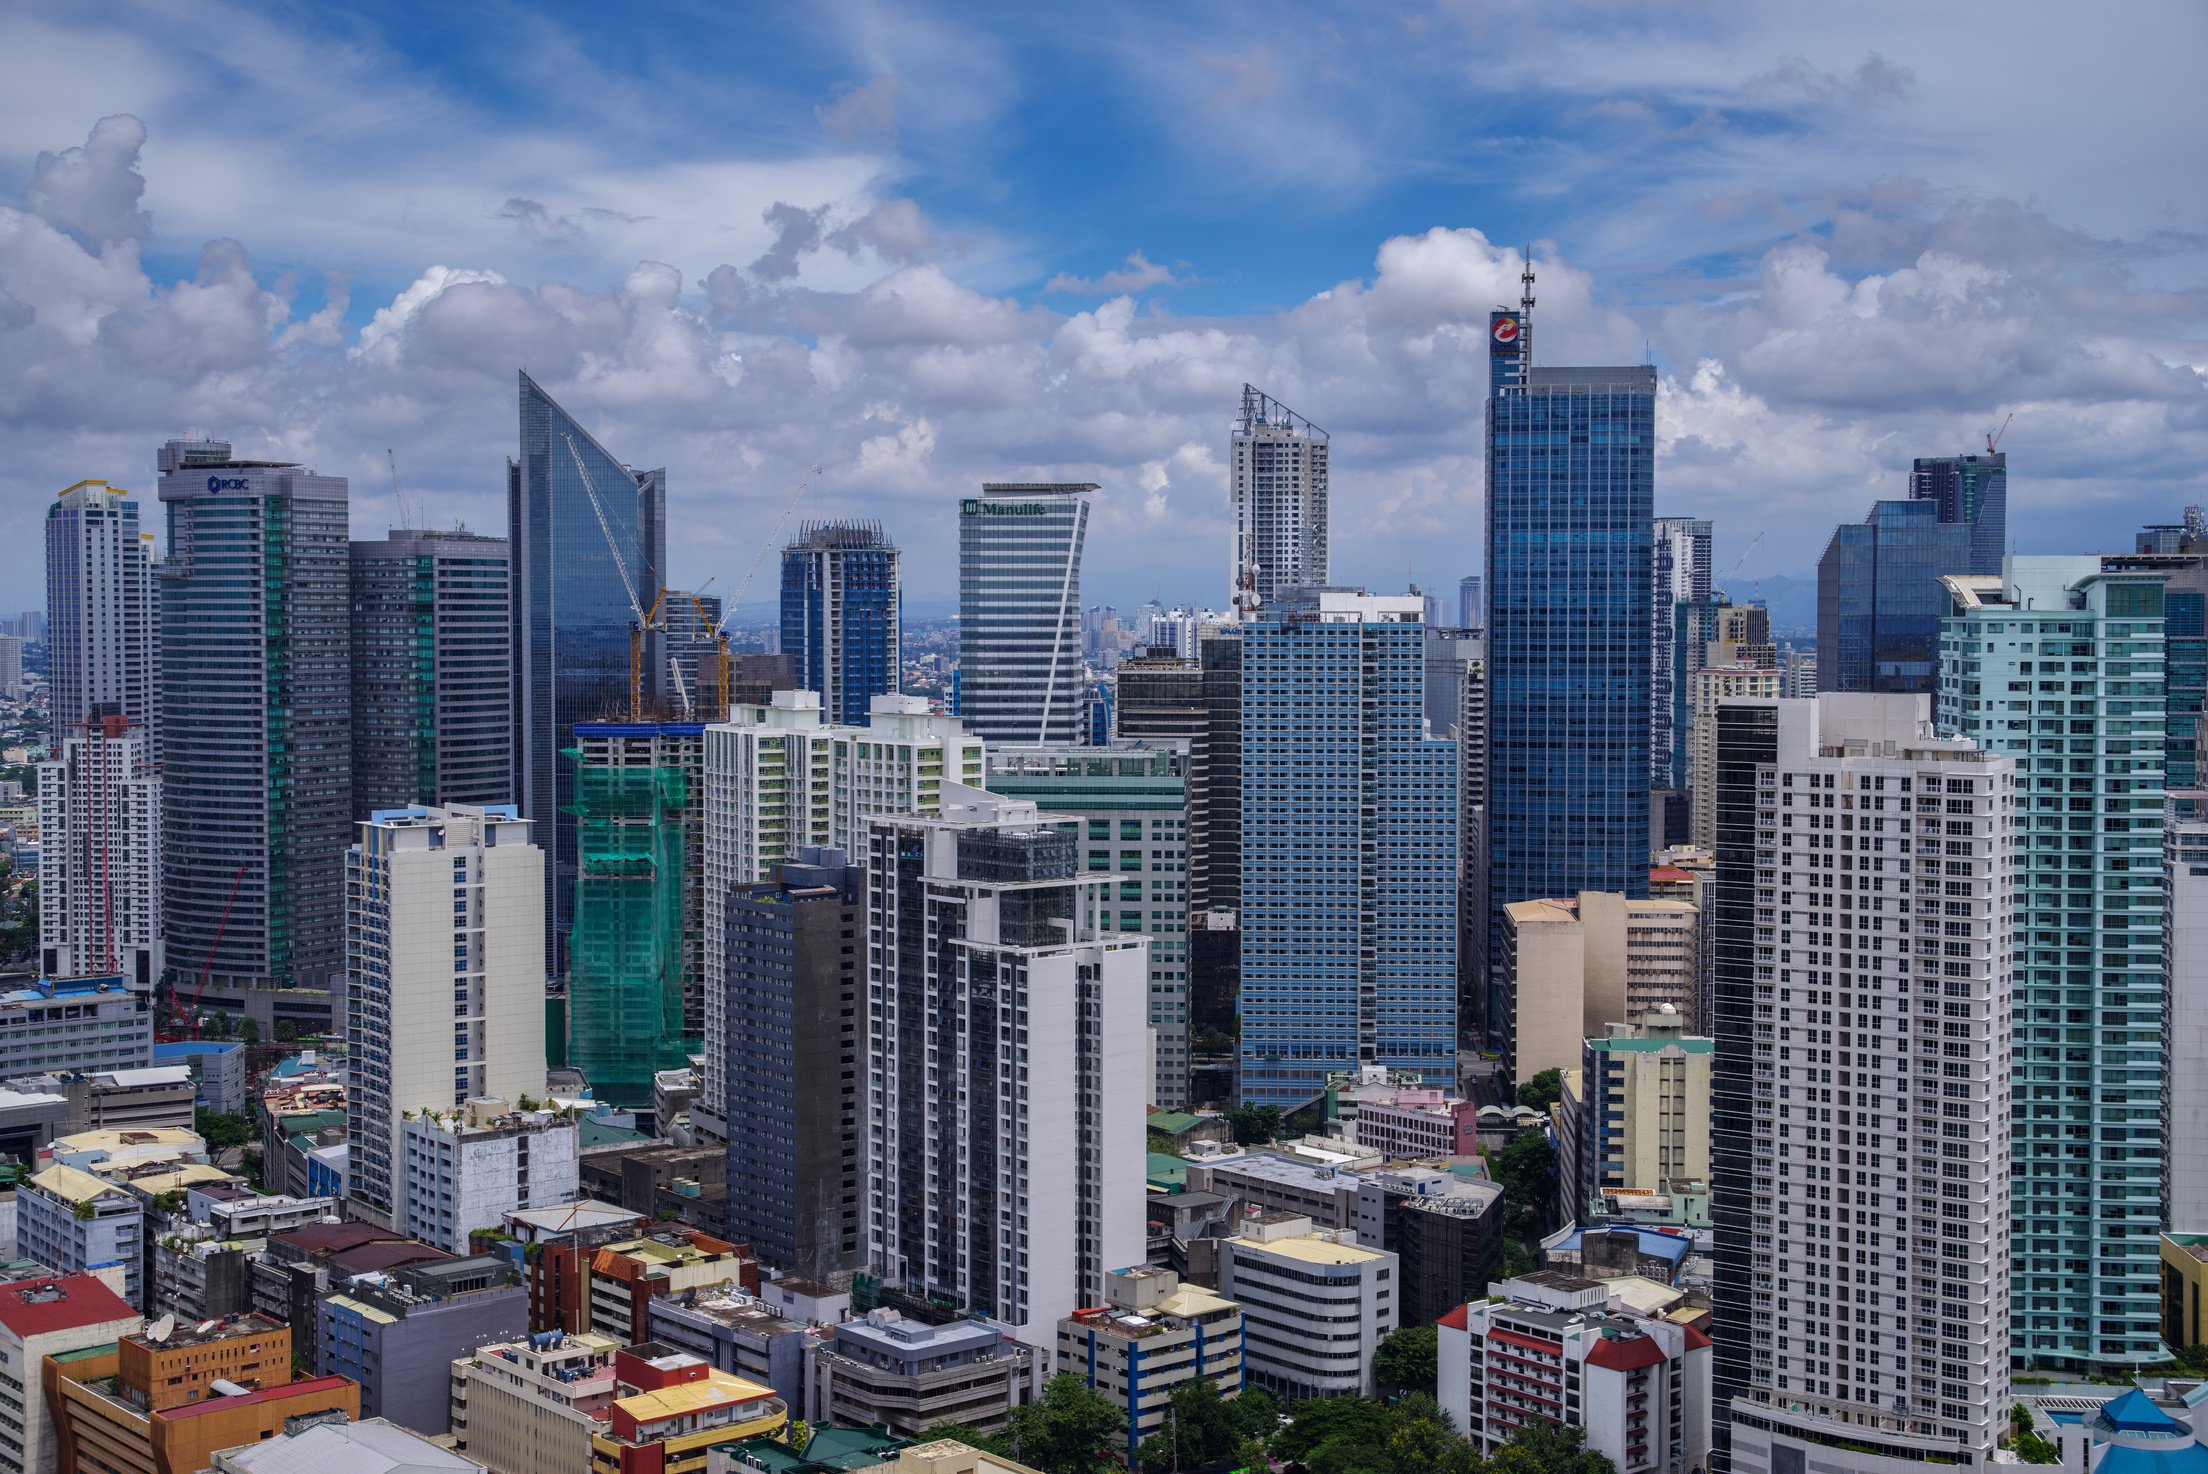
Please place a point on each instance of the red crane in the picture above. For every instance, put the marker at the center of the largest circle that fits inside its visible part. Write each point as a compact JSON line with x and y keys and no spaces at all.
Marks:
{"x":205,"y":968}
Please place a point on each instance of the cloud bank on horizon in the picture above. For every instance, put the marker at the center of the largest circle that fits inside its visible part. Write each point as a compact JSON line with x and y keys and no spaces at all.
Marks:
{"x":924,"y":249}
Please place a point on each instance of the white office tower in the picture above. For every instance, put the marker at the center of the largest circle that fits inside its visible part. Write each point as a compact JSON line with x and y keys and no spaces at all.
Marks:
{"x":2185,"y":959}
{"x":780,"y":780}
{"x":99,"y":856}
{"x":1009,"y":1059}
{"x":1278,"y":480}
{"x":1019,"y":612}
{"x":101,"y":612}
{"x":1864,"y":912}
{"x":444,"y":946}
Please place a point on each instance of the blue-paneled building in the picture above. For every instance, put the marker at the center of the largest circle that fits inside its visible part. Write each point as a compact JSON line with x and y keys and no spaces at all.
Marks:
{"x":1571,"y":462}
{"x":840,"y":616}
{"x":571,"y":616}
{"x":1349,"y":834}
{"x":1879,"y":600}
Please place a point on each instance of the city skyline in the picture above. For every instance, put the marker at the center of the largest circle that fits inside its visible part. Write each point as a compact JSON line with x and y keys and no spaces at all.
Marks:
{"x":873,"y":269}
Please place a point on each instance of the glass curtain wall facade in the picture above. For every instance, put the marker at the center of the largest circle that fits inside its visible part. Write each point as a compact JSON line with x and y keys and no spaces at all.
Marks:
{"x":1019,"y":612}
{"x":1348,"y":909}
{"x":432,"y":695}
{"x":256,"y":694}
{"x":1681,"y":572}
{"x":1570,"y":558}
{"x":840,"y":615}
{"x":571,"y":616}
{"x":2059,"y":664}
{"x":1970,"y":491}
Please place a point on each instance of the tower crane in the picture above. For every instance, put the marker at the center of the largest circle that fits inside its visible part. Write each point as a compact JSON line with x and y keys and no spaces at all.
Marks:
{"x":1993,"y":440}
{"x":1744,"y":552}
{"x":737,"y":598}
{"x":643,"y":621}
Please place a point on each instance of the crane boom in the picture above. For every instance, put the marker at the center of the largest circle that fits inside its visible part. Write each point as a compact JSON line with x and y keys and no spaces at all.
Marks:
{"x":613,"y":546}
{"x":1744,"y":552}
{"x":788,"y":507}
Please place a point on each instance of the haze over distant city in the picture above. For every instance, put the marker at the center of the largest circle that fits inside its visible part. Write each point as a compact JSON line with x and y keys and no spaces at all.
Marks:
{"x":941,"y":245}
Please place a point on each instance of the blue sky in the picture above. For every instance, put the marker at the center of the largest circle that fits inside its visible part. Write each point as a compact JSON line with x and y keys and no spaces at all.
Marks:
{"x":924,"y":245}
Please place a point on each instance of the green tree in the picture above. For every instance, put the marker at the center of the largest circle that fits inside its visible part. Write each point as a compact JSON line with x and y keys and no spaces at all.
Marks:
{"x":1406,"y":1360}
{"x":1256,"y":1414}
{"x":287,"y":1032}
{"x":1543,"y":1090}
{"x":250,"y":1031}
{"x":252,"y":1169}
{"x":1544,"y":1448}
{"x":1254,"y":1125}
{"x":222,"y":1131}
{"x":1525,"y":1169}
{"x":1323,"y":1420}
{"x":2191,"y":1360}
{"x":1070,"y":1429}
{"x":1421,"y":1436}
{"x":1349,"y":1456}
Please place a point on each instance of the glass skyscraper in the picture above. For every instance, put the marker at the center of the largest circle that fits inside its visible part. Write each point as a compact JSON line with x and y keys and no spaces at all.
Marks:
{"x":1019,"y":612}
{"x":433,"y":713}
{"x":571,"y":616}
{"x":2059,"y":664}
{"x":840,"y":616}
{"x":1681,"y":573}
{"x":1349,"y":837}
{"x":255,"y":726}
{"x":1878,"y":585}
{"x":1571,"y":455}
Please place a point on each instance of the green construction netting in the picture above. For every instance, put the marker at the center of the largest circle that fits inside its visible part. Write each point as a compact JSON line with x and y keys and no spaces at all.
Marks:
{"x":624,"y":988}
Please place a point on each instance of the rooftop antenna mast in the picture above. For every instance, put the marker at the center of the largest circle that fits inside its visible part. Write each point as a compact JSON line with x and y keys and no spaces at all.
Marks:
{"x":1525,"y":318}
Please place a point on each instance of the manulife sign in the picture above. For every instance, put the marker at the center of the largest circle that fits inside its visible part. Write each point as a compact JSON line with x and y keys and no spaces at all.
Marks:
{"x":974,"y":508}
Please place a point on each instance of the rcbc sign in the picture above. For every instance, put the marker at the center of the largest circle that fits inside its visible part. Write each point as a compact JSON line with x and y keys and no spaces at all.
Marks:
{"x":227,"y":483}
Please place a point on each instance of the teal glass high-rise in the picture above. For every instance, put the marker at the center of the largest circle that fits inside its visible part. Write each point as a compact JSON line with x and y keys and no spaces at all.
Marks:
{"x":1571,"y":458}
{"x":2058,"y":663}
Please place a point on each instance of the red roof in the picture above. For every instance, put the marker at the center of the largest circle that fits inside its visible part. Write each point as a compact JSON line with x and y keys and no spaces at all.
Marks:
{"x":1670,"y":873}
{"x":310,"y":1387}
{"x":42,"y":1306}
{"x":1696,"y":1337}
{"x":390,"y":1254}
{"x":1458,"y":1319}
{"x":1624,"y":1353}
{"x":324,"y":1238}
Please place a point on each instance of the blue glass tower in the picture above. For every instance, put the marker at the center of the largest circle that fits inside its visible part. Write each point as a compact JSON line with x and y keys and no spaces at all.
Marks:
{"x":571,"y":616}
{"x":840,"y":616}
{"x":1879,"y":600}
{"x":1571,"y":462}
{"x":1349,"y":833}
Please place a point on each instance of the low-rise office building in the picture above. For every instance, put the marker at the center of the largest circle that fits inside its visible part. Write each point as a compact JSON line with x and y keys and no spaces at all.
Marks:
{"x":1559,"y":1349}
{"x":1151,"y":1335}
{"x":672,"y":1410}
{"x":908,"y":1373}
{"x":1315,"y":1305}
{"x":737,"y":1333}
{"x":530,"y":1406}
{"x":397,"y":1332}
{"x":1645,"y":1117}
{"x":464,"y":1170}
{"x":41,"y":1317}
{"x":76,"y":1223}
{"x":1445,"y":1229}
{"x":166,"y":1399}
{"x":84,"y":1025}
{"x":1275,"y":1183}
{"x":625,"y":1277}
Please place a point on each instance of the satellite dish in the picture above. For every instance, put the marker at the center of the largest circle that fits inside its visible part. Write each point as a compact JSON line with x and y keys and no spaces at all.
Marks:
{"x":161,"y":1329}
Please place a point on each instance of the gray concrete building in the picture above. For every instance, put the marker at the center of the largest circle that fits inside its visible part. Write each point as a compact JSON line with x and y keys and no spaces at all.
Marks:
{"x":795,"y":991}
{"x":398,"y":1332}
{"x":433,"y":719}
{"x":735,"y":1333}
{"x":908,"y":1373}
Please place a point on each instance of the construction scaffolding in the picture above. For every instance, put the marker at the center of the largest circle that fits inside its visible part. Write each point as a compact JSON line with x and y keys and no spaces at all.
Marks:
{"x":624,"y":991}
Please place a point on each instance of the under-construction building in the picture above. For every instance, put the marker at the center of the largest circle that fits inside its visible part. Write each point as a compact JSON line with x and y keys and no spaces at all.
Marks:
{"x":99,"y":856}
{"x":636,"y":1000}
